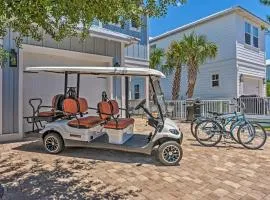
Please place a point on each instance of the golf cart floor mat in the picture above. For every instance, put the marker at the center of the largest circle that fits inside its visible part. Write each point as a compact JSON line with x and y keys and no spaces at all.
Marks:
{"x":137,"y":140}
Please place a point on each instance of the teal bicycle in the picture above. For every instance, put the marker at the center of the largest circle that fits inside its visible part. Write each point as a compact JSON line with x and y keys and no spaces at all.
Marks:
{"x":251,"y":135}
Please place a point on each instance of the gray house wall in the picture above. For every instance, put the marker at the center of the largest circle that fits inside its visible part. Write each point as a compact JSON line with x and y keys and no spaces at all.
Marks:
{"x":91,"y":45}
{"x":10,"y":85}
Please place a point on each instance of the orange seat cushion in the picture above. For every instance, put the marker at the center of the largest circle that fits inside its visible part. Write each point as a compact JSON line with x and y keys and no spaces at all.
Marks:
{"x":85,"y":122}
{"x":46,"y":114}
{"x":122,"y":123}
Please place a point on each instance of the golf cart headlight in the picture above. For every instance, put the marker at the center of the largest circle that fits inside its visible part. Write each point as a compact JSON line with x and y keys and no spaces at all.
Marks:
{"x":174,"y":131}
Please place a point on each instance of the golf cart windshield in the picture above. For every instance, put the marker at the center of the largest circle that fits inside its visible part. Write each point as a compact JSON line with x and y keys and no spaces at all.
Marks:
{"x":159,"y":101}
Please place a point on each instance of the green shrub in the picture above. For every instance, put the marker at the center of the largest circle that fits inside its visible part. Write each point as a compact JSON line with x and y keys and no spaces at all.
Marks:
{"x":268,"y":88}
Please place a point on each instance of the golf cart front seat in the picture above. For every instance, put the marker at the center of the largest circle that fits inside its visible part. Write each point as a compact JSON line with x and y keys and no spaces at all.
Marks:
{"x":73,"y":107}
{"x":110,"y":110}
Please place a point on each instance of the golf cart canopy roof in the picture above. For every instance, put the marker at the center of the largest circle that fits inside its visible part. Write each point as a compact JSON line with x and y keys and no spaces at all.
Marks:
{"x":104,"y":71}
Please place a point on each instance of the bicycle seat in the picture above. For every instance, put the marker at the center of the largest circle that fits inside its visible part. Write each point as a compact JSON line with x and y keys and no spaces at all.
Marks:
{"x":215,"y":113}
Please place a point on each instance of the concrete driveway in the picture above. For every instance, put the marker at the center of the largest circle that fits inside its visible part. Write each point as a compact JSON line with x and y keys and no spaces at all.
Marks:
{"x":225,"y":172}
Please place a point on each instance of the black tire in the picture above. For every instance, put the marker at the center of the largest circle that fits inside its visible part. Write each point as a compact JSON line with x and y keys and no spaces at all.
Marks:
{"x":248,"y":144}
{"x":208,"y":140}
{"x":53,"y":143}
{"x":193,"y":124}
{"x":234,"y":134}
{"x":166,"y":149}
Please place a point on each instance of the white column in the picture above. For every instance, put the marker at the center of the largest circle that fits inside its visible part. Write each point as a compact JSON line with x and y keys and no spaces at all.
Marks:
{"x":123,"y":85}
{"x":123,"y":95}
{"x":241,"y":89}
{"x":110,"y":83}
{"x":20,"y":107}
{"x":129,"y":82}
{"x":1,"y":83}
{"x":110,"y":87}
{"x":147,"y":91}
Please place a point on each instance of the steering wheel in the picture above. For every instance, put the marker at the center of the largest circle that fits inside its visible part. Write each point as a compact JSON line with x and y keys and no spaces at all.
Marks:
{"x":140,"y":104}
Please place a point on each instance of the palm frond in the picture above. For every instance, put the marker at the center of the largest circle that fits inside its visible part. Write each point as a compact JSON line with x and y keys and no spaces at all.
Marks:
{"x":156,"y":56}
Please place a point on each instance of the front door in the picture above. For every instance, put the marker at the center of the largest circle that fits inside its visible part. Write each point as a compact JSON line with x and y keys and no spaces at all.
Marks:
{"x":251,"y":86}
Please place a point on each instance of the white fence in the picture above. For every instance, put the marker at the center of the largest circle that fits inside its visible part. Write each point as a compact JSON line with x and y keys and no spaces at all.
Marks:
{"x":253,"y":106}
{"x":178,"y":109}
{"x":256,"y":105}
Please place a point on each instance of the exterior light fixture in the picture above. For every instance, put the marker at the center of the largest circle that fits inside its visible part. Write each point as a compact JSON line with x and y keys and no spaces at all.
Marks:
{"x":241,"y":78}
{"x":116,"y":64}
{"x":13,"y":62}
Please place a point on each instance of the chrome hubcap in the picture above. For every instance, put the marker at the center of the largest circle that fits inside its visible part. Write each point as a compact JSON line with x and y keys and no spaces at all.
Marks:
{"x":51,"y":144}
{"x":171,"y":154}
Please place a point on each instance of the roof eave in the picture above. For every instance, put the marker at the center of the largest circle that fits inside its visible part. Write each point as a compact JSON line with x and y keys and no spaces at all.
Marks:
{"x":206,"y":19}
{"x":126,"y":39}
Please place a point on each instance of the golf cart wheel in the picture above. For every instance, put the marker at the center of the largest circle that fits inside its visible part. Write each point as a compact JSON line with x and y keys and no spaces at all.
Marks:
{"x":53,"y":143}
{"x":170,"y":153}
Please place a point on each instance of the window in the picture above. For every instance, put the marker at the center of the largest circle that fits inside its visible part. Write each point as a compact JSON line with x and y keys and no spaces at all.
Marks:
{"x":137,"y":91}
{"x":215,"y":80}
{"x":255,"y":37}
{"x":251,"y":35}
{"x":248,"y":33}
{"x":134,"y":26}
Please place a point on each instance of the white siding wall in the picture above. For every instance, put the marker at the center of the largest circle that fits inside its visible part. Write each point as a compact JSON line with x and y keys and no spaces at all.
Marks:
{"x":221,"y":31}
{"x":46,"y":85}
{"x":250,"y":60}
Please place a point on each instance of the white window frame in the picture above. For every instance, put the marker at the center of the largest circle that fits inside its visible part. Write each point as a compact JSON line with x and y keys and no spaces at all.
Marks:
{"x":249,"y":33}
{"x":255,"y":36}
{"x":137,"y":92}
{"x":100,"y":24}
{"x":214,"y":80}
{"x":138,"y":29}
{"x":252,"y":35}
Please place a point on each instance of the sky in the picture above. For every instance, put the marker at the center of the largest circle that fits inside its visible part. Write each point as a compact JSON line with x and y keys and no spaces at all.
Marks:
{"x":196,"y":9}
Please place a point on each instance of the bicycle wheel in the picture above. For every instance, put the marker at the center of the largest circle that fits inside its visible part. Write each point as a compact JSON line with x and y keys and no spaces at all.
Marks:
{"x":208,"y":133}
{"x":252,"y":135}
{"x":234,"y":127}
{"x":193,"y":125}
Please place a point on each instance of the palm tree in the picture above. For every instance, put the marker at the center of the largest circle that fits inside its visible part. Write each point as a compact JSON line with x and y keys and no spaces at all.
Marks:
{"x":155,"y":61}
{"x":196,"y":51}
{"x":156,"y":56}
{"x":175,"y":58}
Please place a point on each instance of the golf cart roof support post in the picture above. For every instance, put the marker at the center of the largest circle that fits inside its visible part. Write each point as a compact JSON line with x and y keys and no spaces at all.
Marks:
{"x":155,"y":96}
{"x":78,"y":84}
{"x":66,"y":84}
{"x":127,"y":95}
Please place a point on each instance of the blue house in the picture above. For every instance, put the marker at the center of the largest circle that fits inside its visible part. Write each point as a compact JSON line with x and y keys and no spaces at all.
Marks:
{"x":136,"y":55}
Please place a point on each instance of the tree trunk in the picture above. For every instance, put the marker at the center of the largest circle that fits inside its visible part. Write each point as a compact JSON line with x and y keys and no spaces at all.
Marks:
{"x":192,"y":77}
{"x":176,"y":83}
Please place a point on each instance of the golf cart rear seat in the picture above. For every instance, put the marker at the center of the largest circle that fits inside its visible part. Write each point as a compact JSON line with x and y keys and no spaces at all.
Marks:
{"x":74,"y":107}
{"x":110,"y":110}
{"x":54,"y":107}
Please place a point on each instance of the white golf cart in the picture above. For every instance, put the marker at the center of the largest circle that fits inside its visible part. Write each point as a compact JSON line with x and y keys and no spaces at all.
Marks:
{"x":69,"y":124}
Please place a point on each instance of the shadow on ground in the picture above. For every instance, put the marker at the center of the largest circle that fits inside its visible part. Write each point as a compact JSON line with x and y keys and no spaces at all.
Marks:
{"x":93,"y":154}
{"x":32,"y":179}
